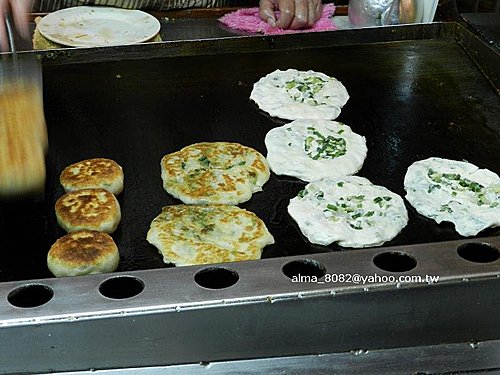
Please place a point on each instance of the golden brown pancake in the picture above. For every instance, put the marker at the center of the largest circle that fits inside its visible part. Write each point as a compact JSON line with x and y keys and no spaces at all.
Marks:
{"x":203,"y":234}
{"x":83,"y":253}
{"x":93,"y":173}
{"x":214,"y":172}
{"x":88,"y":209}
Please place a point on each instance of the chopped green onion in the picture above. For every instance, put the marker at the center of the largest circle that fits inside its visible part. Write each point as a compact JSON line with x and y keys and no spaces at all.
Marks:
{"x":302,"y":193}
{"x":446,"y":208}
{"x":204,"y":161}
{"x":317,"y":146}
{"x":357,"y":227}
{"x":301,"y":89}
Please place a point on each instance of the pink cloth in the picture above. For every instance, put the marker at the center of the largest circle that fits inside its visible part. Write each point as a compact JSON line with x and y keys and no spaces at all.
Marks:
{"x":247,"y":19}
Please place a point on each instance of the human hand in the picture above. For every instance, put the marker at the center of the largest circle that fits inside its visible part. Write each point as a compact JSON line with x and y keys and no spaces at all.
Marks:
{"x":294,"y":14}
{"x":19,"y":10}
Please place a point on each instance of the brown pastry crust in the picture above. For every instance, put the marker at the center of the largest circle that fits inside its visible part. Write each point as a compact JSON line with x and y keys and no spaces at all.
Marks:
{"x":88,"y":209}
{"x":83,"y":253}
{"x":93,"y":173}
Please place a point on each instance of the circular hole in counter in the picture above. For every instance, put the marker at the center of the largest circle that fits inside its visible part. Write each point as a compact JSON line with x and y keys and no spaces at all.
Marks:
{"x":32,"y":295}
{"x":121,"y":287}
{"x":395,"y":261}
{"x":216,"y":278}
{"x":478,"y":252}
{"x":304,"y":267}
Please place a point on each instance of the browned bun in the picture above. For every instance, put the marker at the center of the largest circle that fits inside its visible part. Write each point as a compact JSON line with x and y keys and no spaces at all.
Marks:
{"x":83,"y":253}
{"x":93,"y":173}
{"x":88,"y":209}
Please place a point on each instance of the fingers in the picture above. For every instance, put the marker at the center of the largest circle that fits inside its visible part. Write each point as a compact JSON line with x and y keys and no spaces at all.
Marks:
{"x":318,"y":10}
{"x":266,"y":11}
{"x":4,"y":42}
{"x":299,"y":20}
{"x":20,"y":10}
{"x":311,"y":17}
{"x":315,"y":10}
{"x":287,"y":13}
{"x":296,"y":14}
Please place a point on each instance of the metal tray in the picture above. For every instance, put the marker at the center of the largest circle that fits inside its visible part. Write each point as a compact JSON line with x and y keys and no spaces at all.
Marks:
{"x":416,"y":91}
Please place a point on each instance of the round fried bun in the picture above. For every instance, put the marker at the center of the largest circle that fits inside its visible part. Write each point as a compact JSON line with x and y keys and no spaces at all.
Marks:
{"x":93,"y":173}
{"x":83,"y":253}
{"x":88,"y":209}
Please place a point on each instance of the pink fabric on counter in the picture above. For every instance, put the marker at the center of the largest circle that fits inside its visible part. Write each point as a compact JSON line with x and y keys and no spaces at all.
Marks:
{"x":248,"y":19}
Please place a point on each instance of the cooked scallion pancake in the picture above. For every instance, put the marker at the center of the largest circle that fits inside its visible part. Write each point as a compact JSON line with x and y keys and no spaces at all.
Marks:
{"x":454,"y":191}
{"x":315,"y":149}
{"x":348,"y":210}
{"x":293,"y":94}
{"x":203,"y":234}
{"x":217,"y":172}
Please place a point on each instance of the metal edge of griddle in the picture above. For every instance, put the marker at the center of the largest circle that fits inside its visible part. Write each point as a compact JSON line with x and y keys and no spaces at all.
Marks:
{"x":174,"y":320}
{"x":485,"y":55}
{"x":262,"y":281}
{"x":246,"y":43}
{"x":435,"y":359}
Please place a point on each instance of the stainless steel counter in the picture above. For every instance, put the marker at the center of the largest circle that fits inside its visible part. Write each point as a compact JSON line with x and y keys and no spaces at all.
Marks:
{"x":240,"y":317}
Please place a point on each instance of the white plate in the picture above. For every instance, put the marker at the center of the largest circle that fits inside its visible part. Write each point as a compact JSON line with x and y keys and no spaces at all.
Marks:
{"x":88,"y":26}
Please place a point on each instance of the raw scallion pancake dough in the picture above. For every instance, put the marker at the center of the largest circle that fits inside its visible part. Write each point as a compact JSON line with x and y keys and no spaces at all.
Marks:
{"x":348,"y":210}
{"x":315,"y":149}
{"x":454,"y":191}
{"x":294,"y":94}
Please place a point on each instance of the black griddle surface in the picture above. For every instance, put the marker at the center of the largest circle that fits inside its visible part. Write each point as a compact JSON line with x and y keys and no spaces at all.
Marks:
{"x":410,"y":99}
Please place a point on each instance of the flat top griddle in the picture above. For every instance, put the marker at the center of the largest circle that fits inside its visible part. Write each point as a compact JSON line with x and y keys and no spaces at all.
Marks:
{"x":411,"y":99}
